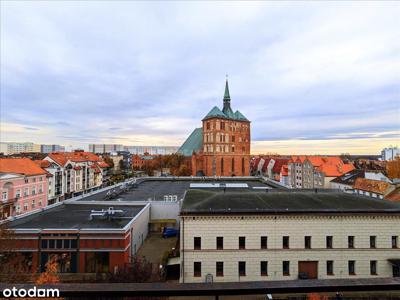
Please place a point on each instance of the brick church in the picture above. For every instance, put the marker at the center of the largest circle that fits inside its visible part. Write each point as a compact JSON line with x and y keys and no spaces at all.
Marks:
{"x":222,"y":146}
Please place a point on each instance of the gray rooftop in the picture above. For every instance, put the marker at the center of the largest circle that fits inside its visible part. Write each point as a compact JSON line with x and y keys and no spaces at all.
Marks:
{"x":76,"y":216}
{"x":156,"y":189}
{"x":282,"y":202}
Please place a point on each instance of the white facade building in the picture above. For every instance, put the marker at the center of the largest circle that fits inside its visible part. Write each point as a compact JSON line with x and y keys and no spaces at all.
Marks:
{"x":232,"y":237}
{"x":390,"y":153}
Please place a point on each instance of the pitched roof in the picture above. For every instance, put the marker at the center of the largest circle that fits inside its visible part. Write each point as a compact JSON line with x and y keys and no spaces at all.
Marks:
{"x":284,"y":170}
{"x":193,"y":143}
{"x":279,"y":162}
{"x":42,"y":163}
{"x":20,"y":166}
{"x":393,"y":196}
{"x":102,"y":164}
{"x":373,"y":186}
{"x":79,"y":156}
{"x":349,"y":178}
{"x":333,"y":170}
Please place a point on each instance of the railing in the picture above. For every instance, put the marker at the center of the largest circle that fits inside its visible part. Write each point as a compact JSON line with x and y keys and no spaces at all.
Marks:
{"x":9,"y":201}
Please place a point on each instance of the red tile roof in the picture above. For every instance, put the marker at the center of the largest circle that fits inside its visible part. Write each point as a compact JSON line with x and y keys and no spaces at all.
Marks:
{"x":62,"y":157}
{"x":102,"y":164}
{"x":42,"y":163}
{"x":373,"y":186}
{"x":284,"y":170}
{"x":394,"y":196}
{"x":279,"y":162}
{"x":20,"y":166}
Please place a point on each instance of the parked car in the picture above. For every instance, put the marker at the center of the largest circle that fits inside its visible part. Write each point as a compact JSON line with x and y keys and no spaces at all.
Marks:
{"x":170,"y":232}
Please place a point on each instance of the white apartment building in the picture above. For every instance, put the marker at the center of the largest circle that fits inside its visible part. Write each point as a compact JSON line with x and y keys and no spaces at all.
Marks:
{"x":257,"y":236}
{"x":12,"y":148}
{"x":390,"y":153}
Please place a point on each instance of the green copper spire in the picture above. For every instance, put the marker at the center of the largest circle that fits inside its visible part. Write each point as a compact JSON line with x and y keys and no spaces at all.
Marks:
{"x":226,"y":95}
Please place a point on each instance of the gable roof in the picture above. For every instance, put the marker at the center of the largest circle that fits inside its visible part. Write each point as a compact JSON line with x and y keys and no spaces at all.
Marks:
{"x":193,"y":143}
{"x":23,"y":166}
{"x":372,"y":186}
{"x":63,"y":157}
{"x":349,"y":178}
{"x":279,"y":162}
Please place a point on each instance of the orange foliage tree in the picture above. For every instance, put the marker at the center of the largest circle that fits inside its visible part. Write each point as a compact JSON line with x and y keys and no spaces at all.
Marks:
{"x":393,"y":168}
{"x":315,"y":296}
{"x":50,"y":275}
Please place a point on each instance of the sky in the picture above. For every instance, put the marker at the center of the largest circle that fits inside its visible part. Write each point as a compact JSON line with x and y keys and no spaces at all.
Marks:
{"x":313,"y":77}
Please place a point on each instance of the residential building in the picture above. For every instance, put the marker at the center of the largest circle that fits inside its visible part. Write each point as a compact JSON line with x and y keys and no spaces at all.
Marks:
{"x":13,"y":148}
{"x":75,"y":172}
{"x":284,"y":176}
{"x":390,"y":153}
{"x":51,"y":148}
{"x":105,"y":148}
{"x":373,"y":188}
{"x":346,"y":181}
{"x":152,"y":150}
{"x":222,"y":146}
{"x":310,"y":172}
{"x":82,"y":238}
{"x":142,"y":161}
{"x":283,"y":235}
{"x":23,"y":186}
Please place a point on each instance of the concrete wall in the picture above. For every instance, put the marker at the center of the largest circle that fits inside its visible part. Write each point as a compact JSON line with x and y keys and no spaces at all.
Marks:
{"x":165,"y":210}
{"x":140,"y":229}
{"x":296,"y":227}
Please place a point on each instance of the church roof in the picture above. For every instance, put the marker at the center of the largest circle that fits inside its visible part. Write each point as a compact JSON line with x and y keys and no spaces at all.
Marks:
{"x":193,"y":143}
{"x":226,"y":112}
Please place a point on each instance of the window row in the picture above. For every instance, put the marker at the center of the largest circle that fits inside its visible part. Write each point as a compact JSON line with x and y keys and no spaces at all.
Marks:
{"x":219,"y":268}
{"x":286,"y":242}
{"x":58,"y":244}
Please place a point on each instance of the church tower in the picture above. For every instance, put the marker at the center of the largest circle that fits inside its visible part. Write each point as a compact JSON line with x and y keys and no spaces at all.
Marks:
{"x":226,"y":141}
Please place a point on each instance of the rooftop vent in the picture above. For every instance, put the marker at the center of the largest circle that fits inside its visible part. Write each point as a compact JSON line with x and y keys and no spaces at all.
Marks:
{"x":104,"y":213}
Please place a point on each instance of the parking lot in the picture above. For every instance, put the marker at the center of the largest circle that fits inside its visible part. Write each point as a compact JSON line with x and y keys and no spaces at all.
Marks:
{"x":155,"y":246}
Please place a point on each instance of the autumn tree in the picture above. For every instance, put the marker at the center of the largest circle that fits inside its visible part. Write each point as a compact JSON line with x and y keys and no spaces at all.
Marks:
{"x":393,"y":168}
{"x":315,"y":296}
{"x":13,"y":266}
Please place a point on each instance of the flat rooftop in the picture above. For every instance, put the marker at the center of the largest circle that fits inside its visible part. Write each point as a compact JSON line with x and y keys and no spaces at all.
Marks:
{"x":155,"y":189}
{"x":282,"y":202}
{"x":77,"y":216}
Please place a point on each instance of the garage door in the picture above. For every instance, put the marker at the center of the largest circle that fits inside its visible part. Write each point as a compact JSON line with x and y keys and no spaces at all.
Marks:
{"x":308,"y":269}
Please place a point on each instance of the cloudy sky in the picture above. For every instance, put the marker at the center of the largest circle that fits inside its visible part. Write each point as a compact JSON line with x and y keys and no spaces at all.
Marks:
{"x":312,"y":77}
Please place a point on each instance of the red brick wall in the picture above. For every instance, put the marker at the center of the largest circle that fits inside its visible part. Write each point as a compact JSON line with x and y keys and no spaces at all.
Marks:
{"x":234,"y":144}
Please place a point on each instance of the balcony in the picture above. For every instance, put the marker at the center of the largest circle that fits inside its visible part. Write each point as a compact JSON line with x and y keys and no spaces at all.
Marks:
{"x":8,"y":201}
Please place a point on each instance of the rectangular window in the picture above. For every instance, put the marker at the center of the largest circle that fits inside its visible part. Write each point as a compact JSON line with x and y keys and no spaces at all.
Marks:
{"x":26,"y":180}
{"x":285,"y":242}
{"x":44,"y":244}
{"x":197,"y":243}
{"x":307,"y":242}
{"x":329,"y":242}
{"x":264,"y":268}
{"x":197,"y":269}
{"x":52,"y":244}
{"x":329,"y":267}
{"x":242,"y":268}
{"x":242,"y":242}
{"x":372,"y":241}
{"x":394,"y":242}
{"x":286,"y":268}
{"x":219,"y":265}
{"x":220,"y":243}
{"x":59,"y":244}
{"x":33,"y":203}
{"x":372,"y":267}
{"x":352,"y":267}
{"x":350,"y":241}
{"x":264,"y":242}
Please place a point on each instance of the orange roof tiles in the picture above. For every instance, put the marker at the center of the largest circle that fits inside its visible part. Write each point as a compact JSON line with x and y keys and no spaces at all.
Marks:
{"x":42,"y":163}
{"x":284,"y":170}
{"x":394,"y":196}
{"x":20,"y":166}
{"x":102,"y":164}
{"x":373,"y":186}
{"x":62,"y":157}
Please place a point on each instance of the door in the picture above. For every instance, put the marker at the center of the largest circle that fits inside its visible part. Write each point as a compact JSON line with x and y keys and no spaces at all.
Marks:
{"x":308,"y":269}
